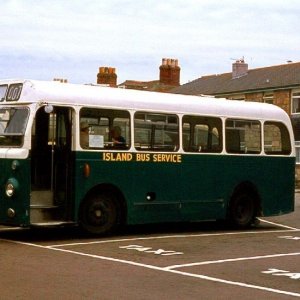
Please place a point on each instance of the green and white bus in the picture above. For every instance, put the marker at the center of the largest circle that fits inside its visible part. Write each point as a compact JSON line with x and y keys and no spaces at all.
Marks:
{"x":175,"y":158}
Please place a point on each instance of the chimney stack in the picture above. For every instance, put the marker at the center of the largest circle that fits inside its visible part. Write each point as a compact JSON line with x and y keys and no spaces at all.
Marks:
{"x":107,"y":76}
{"x":239,"y":68}
{"x":169,"y":72}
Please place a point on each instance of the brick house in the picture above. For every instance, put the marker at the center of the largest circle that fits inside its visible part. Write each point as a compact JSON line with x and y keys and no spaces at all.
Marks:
{"x":279,"y":85}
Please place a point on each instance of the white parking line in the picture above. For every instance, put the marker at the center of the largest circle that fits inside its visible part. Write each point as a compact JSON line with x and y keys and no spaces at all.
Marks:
{"x":236,"y":283}
{"x":231,"y":260}
{"x":277,"y":224}
{"x":173,"y":237}
{"x":2,"y":228}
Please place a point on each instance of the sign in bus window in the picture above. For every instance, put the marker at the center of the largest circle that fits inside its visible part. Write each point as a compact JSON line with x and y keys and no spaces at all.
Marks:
{"x":243,"y":136}
{"x":14,"y":92}
{"x":276,"y":139}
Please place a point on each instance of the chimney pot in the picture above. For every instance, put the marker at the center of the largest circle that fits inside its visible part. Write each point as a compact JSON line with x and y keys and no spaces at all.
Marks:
{"x":107,"y":75}
{"x":169,"y":72}
{"x":239,"y":68}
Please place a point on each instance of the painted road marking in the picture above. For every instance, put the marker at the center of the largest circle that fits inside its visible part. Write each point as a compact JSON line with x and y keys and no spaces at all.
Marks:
{"x":150,"y":250}
{"x":165,"y":269}
{"x":231,"y":260}
{"x":2,"y":228}
{"x":171,"y":269}
{"x":277,"y":272}
{"x":277,"y":224}
{"x":290,"y":237}
{"x":172,"y":237}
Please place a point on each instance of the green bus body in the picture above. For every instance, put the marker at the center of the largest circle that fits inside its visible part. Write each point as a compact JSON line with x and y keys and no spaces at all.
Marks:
{"x":21,"y":200}
{"x":204,"y":196}
{"x":47,"y":177}
{"x":198,"y":188}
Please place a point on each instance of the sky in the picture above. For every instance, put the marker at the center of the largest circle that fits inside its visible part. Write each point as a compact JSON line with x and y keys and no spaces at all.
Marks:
{"x":71,"y":39}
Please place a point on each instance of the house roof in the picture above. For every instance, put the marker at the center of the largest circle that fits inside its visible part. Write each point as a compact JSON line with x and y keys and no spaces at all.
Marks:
{"x":267,"y":78}
{"x":154,"y":85}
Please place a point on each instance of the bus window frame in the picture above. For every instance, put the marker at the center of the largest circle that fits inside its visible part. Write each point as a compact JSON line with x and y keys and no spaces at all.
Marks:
{"x":245,"y":151}
{"x":151,"y":147}
{"x":287,"y":135}
{"x":205,"y":121}
{"x":107,"y":145}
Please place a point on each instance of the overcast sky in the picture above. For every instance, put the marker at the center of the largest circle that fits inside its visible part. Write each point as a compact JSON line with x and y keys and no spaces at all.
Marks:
{"x":43,"y":39}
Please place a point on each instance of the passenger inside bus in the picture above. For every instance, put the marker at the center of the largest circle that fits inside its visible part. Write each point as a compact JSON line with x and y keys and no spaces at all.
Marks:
{"x":84,"y":134}
{"x":117,"y":139}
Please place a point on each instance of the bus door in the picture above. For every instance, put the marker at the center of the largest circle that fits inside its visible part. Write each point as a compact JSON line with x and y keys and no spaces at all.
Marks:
{"x":202,"y":178}
{"x":157,"y":167}
{"x":51,"y":165}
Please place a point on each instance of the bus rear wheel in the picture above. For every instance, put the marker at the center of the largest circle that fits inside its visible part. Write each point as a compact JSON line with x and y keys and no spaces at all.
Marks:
{"x":98,"y":214}
{"x":242,"y":210}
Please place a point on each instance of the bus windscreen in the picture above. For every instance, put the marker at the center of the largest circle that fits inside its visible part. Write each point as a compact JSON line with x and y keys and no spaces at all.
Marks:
{"x":13,"y":123}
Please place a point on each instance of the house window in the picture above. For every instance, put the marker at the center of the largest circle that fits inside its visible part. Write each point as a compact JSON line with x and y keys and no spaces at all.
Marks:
{"x":295,"y":101}
{"x":268,"y":97}
{"x":296,"y":121}
{"x":237,"y":97}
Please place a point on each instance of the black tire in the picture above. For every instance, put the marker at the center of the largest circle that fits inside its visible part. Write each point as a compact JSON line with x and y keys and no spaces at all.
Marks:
{"x":99,"y":214}
{"x":242,"y":210}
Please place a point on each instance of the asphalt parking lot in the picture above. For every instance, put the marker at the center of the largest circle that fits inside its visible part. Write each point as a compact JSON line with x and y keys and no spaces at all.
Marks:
{"x":184,"y":261}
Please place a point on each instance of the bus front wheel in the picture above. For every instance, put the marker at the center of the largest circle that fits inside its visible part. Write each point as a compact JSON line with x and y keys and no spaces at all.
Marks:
{"x":242,"y":210}
{"x":98,"y":214}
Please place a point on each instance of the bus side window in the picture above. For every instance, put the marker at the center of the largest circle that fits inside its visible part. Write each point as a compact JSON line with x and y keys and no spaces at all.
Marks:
{"x":243,"y":136}
{"x":102,"y":127}
{"x":156,"y":132}
{"x":202,"y":134}
{"x":276,"y":139}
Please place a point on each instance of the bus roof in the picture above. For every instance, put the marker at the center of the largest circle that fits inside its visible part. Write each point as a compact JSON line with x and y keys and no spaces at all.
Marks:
{"x":54,"y":92}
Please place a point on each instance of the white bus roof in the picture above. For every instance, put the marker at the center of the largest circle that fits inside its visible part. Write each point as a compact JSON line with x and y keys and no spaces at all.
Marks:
{"x":54,"y":92}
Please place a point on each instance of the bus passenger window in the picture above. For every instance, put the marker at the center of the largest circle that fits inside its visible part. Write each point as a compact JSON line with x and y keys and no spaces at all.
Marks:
{"x":104,"y":129}
{"x":202,"y":134}
{"x":156,"y":132}
{"x":243,"y":136}
{"x":276,"y":139}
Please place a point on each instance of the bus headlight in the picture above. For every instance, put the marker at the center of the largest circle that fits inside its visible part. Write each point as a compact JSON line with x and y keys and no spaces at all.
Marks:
{"x":11,"y":187}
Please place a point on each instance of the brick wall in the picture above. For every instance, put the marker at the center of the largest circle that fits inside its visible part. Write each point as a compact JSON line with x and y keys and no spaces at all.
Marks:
{"x":282,"y":99}
{"x":255,"y":97}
